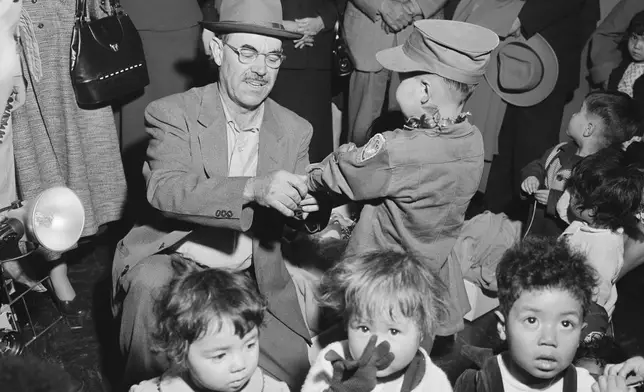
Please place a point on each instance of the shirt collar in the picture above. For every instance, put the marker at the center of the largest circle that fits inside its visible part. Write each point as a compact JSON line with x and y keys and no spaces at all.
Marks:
{"x":254,"y":126}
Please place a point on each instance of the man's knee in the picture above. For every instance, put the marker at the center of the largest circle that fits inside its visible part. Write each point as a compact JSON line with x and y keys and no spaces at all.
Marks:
{"x":148,"y":276}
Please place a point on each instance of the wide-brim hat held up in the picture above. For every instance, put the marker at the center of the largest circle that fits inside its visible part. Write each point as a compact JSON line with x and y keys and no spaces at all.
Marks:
{"x":523,"y":72}
{"x":455,"y":50}
{"x":263,"y":17}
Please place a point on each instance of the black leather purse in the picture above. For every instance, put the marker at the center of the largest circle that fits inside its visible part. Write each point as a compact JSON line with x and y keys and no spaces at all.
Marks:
{"x":107,"y":59}
{"x":342,"y":62}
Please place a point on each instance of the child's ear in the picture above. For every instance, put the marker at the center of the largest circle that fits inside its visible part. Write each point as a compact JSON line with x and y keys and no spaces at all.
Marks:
{"x":426,"y":96}
{"x":590,"y":128}
{"x":500,"y":325}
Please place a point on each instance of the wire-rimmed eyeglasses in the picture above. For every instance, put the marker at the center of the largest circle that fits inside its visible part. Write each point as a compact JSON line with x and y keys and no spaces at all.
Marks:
{"x":249,"y":55}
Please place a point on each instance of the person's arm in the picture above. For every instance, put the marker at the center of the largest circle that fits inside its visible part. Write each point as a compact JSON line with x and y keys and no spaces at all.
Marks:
{"x":318,"y":220}
{"x":328,"y":11}
{"x":174,"y":186}
{"x":371,"y":8}
{"x":537,"y":15}
{"x":605,"y":54}
{"x":356,"y":173}
{"x":535,"y":169}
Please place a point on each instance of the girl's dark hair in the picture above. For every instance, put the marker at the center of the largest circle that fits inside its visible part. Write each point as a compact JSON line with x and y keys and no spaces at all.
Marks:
{"x":636,"y":27}
{"x":543,"y":263}
{"x":610,"y":183}
{"x":619,"y":114}
{"x":197,"y":302}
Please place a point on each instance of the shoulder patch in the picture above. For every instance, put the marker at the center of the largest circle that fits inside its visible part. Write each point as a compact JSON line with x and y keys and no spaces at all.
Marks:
{"x":373,"y":147}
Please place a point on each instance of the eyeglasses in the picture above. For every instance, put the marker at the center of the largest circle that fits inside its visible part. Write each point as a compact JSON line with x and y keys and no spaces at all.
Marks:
{"x":249,"y":55}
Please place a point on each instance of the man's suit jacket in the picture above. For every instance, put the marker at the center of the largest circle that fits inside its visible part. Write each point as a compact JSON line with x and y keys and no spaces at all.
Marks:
{"x":365,"y":36}
{"x":187,"y":180}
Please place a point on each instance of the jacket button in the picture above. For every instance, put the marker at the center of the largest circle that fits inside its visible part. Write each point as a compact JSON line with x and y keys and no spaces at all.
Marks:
{"x":41,"y":25}
{"x":34,"y":1}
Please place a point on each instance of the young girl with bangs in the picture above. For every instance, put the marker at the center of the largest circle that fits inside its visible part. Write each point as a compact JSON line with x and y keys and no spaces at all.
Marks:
{"x":390,"y":302}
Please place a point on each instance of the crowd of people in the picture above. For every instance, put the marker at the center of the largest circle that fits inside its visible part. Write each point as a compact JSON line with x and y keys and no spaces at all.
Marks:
{"x":228,"y":157}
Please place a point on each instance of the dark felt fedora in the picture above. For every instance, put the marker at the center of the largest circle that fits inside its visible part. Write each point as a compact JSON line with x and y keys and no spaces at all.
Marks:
{"x":523,"y":72}
{"x":263,"y":17}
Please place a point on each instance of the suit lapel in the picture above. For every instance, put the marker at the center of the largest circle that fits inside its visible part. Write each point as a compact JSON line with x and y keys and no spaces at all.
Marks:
{"x":213,"y":136}
{"x":271,"y":139}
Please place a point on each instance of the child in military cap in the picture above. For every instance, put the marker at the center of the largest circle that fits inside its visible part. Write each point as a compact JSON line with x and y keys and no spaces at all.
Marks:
{"x":417,"y":182}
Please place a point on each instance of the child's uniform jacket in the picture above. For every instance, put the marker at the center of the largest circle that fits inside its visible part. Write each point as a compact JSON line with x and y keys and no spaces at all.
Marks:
{"x":258,"y":382}
{"x":552,"y":170}
{"x":490,"y":379}
{"x":321,"y":372}
{"x":415,"y":186}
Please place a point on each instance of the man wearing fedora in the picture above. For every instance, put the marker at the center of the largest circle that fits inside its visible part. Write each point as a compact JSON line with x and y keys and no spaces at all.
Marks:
{"x":530,"y":127}
{"x":220,"y":168}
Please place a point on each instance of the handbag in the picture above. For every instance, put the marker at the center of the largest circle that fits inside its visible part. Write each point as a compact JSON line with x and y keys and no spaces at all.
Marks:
{"x":107,"y":58}
{"x":342,"y":61}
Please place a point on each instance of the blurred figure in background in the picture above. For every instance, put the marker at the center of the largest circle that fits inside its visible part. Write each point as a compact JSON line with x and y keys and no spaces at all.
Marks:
{"x":304,"y":84}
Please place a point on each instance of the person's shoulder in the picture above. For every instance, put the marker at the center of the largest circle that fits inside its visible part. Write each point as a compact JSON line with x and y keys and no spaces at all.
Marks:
{"x":287,"y":116}
{"x":584,"y":380}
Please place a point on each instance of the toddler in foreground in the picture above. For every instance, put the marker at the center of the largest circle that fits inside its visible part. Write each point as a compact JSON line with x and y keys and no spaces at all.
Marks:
{"x":389,"y":302}
{"x":209,"y":330}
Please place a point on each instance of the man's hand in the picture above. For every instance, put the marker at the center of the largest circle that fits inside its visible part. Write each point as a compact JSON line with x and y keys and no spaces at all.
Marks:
{"x":530,"y":185}
{"x":515,"y":30}
{"x":396,"y":15}
{"x":307,"y":205}
{"x":279,"y":190}
{"x":310,"y":26}
{"x":542,"y":196}
{"x":290,"y":25}
{"x":306,"y":40}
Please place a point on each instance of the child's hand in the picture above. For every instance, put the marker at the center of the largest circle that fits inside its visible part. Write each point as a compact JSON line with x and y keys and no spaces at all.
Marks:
{"x":542,"y":196}
{"x":347,"y":147}
{"x":633,"y":365}
{"x":610,"y":384}
{"x":530,"y":185}
{"x":364,"y":369}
